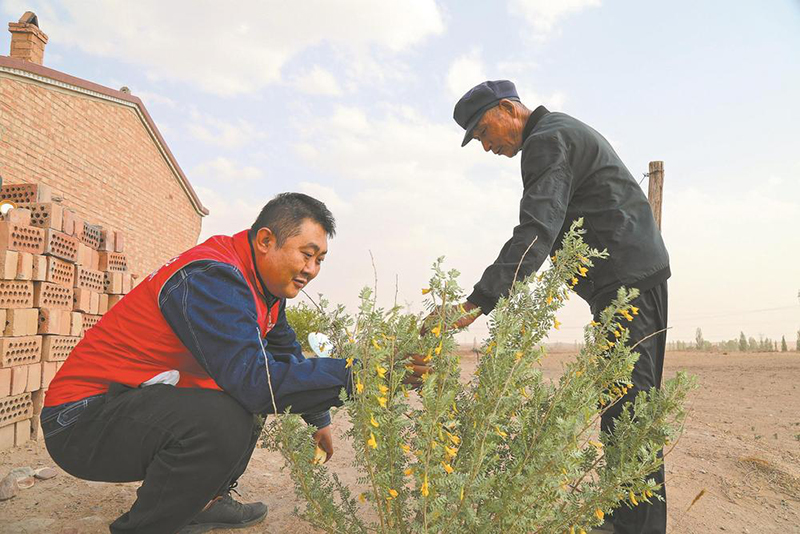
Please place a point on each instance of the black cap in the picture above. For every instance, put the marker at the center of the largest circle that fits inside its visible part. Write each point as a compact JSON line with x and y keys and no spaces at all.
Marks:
{"x":480,"y":99}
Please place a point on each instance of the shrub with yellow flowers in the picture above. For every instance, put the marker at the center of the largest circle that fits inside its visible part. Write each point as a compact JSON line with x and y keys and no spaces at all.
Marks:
{"x":505,"y":451}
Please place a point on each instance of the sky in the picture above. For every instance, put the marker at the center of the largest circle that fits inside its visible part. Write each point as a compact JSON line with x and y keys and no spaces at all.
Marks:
{"x":351,"y":102}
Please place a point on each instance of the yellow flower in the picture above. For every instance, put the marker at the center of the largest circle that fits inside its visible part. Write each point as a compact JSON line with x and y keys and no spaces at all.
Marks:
{"x":426,"y":291}
{"x":375,"y":344}
{"x":455,"y":439}
{"x":574,"y":281}
{"x":633,"y":499}
{"x":406,"y":448}
{"x":362,"y":497}
{"x":371,"y":441}
{"x":428,"y":356}
{"x":359,"y":387}
{"x":462,"y":494}
{"x":599,"y":513}
{"x":408,"y":472}
{"x":405,"y":393}
{"x":424,"y":489}
{"x":595,"y":323}
{"x":409,"y":368}
{"x":635,"y":310}
{"x":382,"y":401}
{"x":549,"y":299}
{"x":518,"y":356}
{"x":596,"y":444}
{"x":381,"y":371}
{"x":500,"y":432}
{"x":455,"y":408}
{"x":582,"y":532}
{"x":383,"y":389}
{"x":617,"y":334}
{"x":349,"y":363}
{"x":524,"y":393}
{"x":582,"y":271}
{"x":648,"y":493}
{"x":373,"y":422}
{"x":572,"y":530}
{"x":610,"y":344}
{"x":436,"y":330}
{"x":393,"y":493}
{"x":450,"y":451}
{"x":447,"y":467}
{"x":438,"y":350}
{"x":556,"y":324}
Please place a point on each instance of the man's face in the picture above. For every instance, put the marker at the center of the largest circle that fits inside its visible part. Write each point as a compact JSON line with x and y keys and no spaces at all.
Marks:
{"x":500,"y":130}
{"x":287,"y":269}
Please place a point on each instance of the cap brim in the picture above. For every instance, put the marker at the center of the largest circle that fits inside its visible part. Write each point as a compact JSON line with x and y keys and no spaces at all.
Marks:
{"x":470,"y":127}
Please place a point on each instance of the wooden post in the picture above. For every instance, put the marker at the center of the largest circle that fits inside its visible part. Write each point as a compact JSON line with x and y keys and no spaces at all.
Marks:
{"x":655,"y":189}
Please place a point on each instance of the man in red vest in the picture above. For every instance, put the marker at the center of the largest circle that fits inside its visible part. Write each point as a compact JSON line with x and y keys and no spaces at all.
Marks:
{"x":165,"y":387}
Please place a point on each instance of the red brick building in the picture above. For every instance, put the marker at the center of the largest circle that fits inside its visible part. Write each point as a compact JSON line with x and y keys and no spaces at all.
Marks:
{"x":98,"y":148}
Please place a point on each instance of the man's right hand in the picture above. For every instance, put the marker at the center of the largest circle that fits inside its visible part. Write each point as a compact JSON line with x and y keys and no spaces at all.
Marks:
{"x":463,"y":322}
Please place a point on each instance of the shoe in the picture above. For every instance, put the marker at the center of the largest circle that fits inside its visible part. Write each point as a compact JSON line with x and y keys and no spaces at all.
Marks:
{"x":226,"y":513}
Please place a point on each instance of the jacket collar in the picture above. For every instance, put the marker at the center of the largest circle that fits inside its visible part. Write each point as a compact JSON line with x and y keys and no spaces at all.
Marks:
{"x":244,"y":249}
{"x":533,"y":120}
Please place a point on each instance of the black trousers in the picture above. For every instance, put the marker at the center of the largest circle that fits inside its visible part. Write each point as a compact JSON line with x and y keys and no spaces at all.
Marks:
{"x":187,"y":445}
{"x":644,"y":518}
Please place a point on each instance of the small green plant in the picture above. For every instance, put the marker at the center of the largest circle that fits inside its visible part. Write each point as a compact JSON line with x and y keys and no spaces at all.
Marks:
{"x":505,"y":451}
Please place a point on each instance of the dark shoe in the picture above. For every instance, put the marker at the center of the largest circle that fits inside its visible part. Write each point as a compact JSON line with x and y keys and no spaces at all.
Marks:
{"x":226,"y":513}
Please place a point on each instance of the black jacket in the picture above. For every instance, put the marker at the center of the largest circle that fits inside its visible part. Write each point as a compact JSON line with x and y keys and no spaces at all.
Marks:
{"x":570,"y":171}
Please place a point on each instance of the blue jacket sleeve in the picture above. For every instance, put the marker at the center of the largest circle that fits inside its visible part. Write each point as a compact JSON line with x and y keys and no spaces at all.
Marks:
{"x":284,"y":346}
{"x":210,"y":308}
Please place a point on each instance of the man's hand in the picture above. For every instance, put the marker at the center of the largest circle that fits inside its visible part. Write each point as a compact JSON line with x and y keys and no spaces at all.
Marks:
{"x":421,"y":367}
{"x":463,"y":322}
{"x":323,"y":438}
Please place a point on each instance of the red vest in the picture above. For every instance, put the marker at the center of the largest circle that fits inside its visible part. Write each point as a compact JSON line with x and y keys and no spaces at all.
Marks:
{"x":133,"y":342}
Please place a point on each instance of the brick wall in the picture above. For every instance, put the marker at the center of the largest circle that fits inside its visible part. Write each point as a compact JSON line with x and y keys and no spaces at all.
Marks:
{"x":99,"y":156}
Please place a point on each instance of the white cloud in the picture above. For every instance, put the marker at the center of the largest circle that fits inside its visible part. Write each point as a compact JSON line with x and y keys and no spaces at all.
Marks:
{"x":233,"y":50}
{"x":318,"y":81}
{"x":226,"y":215}
{"x":222,"y":133}
{"x":328,"y":195}
{"x":225,"y":170}
{"x":465,"y":72}
{"x":544,"y":15}
{"x":149,"y":98}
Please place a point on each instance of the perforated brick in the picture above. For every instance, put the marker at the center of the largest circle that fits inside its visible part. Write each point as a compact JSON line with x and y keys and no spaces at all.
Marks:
{"x":119,"y":241}
{"x":102,"y":308}
{"x":89,"y":279}
{"x":8,"y":264}
{"x":91,"y":235}
{"x":20,"y":350}
{"x":89,"y":321}
{"x":60,"y":245}
{"x":86,"y":300}
{"x":57,"y":348}
{"x":15,"y":408}
{"x":16,"y":294}
{"x":113,"y":261}
{"x":39,"y":272}
{"x":113,"y":282}
{"x":52,"y":321}
{"x":49,"y":295}
{"x":68,"y":221}
{"x":106,"y":240}
{"x":5,"y":382}
{"x":20,"y":216}
{"x":76,"y":323}
{"x":21,"y":322}
{"x":60,"y":272}
{"x":19,"y":193}
{"x":46,"y":215}
{"x":84,"y":256}
{"x":25,"y":266}
{"x":21,"y":238}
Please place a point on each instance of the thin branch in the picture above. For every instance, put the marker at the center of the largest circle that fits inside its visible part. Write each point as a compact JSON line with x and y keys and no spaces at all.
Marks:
{"x":523,"y":258}
{"x":651,"y":335}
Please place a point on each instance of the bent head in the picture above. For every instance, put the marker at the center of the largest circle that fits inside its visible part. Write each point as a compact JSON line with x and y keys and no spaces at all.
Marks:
{"x":290,"y":239}
{"x":500,"y":128}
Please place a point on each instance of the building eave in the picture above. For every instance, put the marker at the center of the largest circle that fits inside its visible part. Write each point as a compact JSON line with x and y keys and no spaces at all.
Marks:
{"x":47,"y":76}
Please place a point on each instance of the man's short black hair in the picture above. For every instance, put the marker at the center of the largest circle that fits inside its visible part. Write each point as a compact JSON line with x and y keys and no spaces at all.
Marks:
{"x":285,"y":213}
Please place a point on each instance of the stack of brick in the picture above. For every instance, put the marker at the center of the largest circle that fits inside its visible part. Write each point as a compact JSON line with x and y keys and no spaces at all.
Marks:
{"x":58,"y":275}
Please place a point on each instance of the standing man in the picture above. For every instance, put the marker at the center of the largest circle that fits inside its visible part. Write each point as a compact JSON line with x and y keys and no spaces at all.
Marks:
{"x":569,"y":171}
{"x":166,"y":387}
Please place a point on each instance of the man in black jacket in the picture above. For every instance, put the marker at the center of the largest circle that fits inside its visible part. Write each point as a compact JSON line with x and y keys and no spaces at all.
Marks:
{"x":568,"y":171}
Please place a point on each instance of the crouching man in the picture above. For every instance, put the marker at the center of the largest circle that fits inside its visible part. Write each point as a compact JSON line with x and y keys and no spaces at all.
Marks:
{"x":165,"y":387}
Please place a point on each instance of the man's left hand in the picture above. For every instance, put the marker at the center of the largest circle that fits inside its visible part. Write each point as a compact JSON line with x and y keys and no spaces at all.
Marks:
{"x":323,"y":438}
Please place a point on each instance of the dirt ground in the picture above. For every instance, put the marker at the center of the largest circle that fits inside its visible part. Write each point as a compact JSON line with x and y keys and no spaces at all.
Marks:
{"x":741,"y":447}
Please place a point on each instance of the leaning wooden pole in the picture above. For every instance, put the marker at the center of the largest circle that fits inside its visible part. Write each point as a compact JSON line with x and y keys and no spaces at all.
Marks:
{"x":655,"y":189}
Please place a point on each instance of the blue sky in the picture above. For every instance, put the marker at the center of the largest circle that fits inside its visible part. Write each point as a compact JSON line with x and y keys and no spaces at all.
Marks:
{"x":351,"y":101}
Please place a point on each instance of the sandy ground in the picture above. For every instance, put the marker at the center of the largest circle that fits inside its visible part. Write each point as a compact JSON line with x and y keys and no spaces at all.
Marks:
{"x":741,"y":446}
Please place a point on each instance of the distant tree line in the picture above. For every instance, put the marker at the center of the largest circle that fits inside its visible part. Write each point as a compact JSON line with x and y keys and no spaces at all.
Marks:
{"x":741,"y":344}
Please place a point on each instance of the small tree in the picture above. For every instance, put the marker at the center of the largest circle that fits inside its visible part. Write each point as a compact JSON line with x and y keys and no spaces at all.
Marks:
{"x":797,"y":346}
{"x":784,"y":347}
{"x":742,"y":342}
{"x":508,"y":450}
{"x":698,"y":339}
